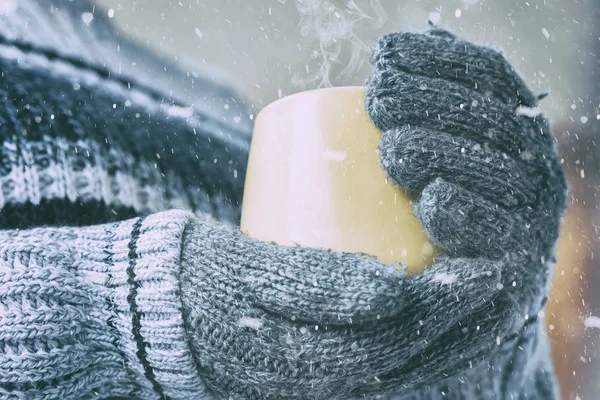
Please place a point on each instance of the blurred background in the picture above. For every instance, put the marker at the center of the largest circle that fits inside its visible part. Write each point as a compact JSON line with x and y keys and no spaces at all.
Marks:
{"x":272,"y":48}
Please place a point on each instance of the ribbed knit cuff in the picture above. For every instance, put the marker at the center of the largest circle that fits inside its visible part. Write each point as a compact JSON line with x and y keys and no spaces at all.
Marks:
{"x":139,"y":262}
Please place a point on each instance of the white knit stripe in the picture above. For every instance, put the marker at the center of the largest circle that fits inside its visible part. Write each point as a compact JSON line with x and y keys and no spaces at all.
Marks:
{"x":10,"y":152}
{"x":103,"y":180}
{"x":30,"y":175}
{"x":49,"y":180}
{"x":63,"y":164}
{"x":154,"y":195}
{"x":54,"y":177}
{"x":28,"y":181}
{"x":137,"y":97}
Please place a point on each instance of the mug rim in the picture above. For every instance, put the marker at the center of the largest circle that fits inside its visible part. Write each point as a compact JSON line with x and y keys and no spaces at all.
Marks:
{"x":305,"y":93}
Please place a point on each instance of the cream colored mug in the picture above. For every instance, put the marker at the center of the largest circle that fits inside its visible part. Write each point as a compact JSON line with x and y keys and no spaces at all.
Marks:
{"x":314,"y":179}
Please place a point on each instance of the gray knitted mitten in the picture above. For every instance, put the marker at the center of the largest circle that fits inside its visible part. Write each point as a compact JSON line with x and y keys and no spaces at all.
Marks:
{"x":463,"y":131}
{"x":267,"y":321}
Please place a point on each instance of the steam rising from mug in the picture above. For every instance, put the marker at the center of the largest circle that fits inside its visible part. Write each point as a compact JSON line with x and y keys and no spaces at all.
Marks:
{"x":335,"y":24}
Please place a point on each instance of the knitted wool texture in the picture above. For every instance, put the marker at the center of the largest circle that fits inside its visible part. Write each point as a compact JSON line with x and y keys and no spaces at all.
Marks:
{"x":492,"y":194}
{"x":171,"y":306}
{"x":94,"y":312}
{"x":468,"y":136}
{"x":83,"y":143}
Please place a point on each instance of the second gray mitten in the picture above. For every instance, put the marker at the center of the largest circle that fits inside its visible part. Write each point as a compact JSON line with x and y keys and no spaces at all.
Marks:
{"x":462,"y":130}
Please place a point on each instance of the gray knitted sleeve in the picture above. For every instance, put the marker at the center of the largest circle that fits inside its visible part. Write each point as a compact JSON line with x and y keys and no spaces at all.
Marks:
{"x":89,"y":313}
{"x":174,"y":307}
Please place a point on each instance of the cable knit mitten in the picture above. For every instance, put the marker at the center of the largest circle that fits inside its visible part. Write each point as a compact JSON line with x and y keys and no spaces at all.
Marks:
{"x":463,"y":131}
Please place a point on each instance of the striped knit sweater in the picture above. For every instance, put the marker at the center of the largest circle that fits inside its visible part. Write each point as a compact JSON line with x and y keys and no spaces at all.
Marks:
{"x":89,"y":128}
{"x":122,"y":274}
{"x":93,"y":131}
